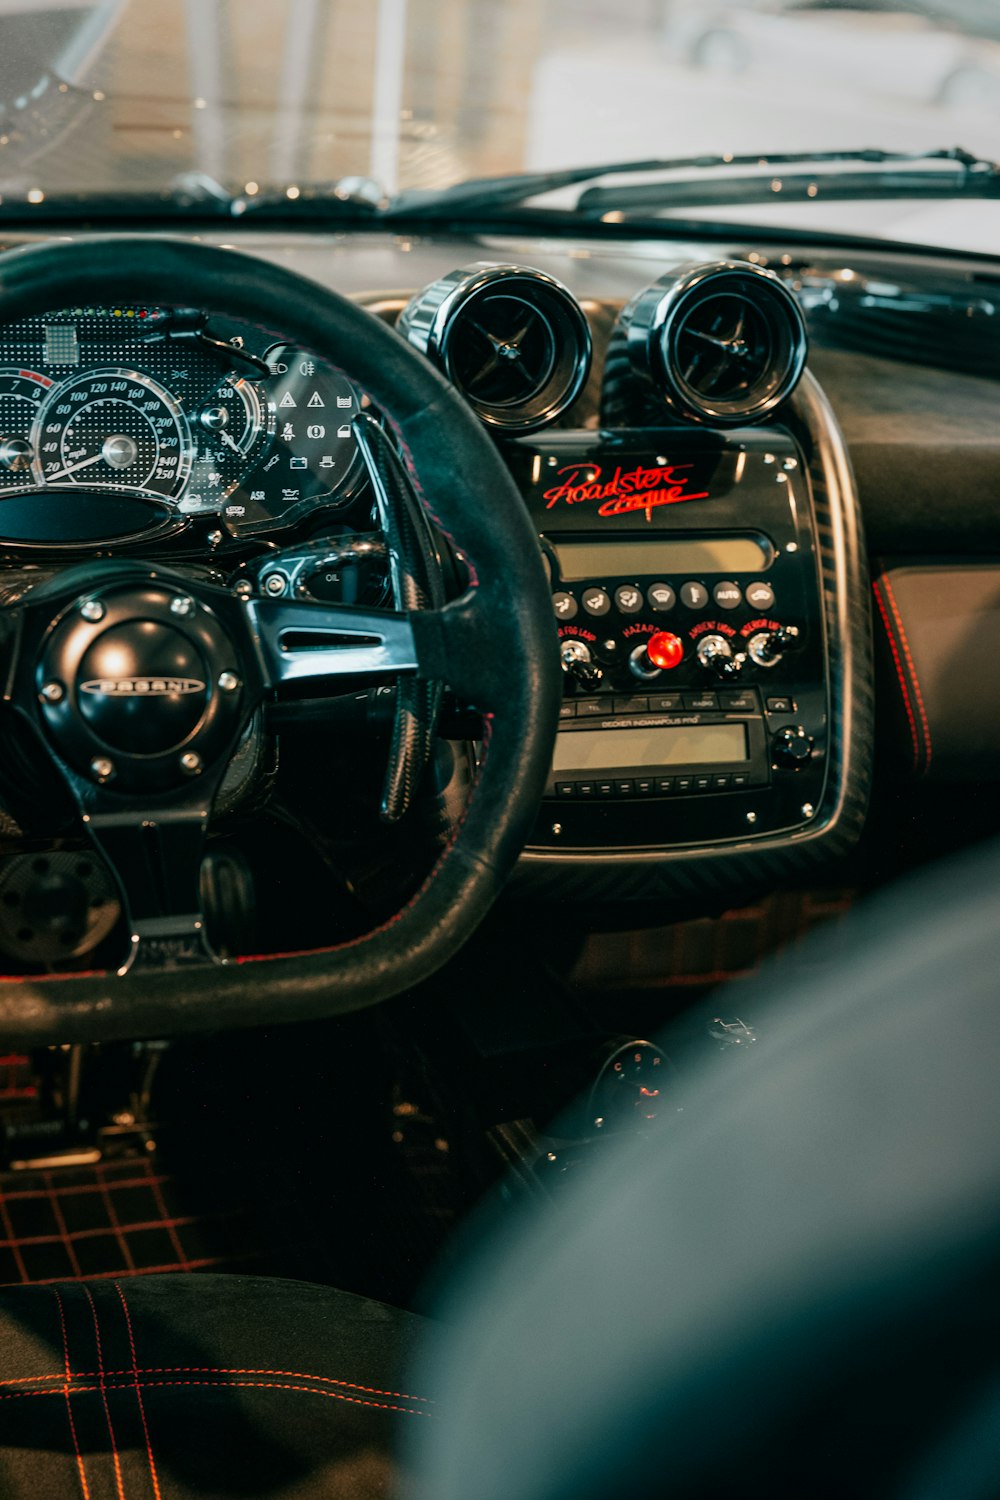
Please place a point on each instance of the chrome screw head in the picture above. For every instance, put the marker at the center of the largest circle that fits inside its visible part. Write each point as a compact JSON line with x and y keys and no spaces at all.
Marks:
{"x":92,"y":610}
{"x":214,"y":538}
{"x":274,"y":584}
{"x":807,"y":809}
{"x":751,"y":817}
{"x":53,"y":692}
{"x":228,"y":682}
{"x":243,"y":589}
{"x":102,"y":769}
{"x":182,"y":606}
{"x":191,"y":763}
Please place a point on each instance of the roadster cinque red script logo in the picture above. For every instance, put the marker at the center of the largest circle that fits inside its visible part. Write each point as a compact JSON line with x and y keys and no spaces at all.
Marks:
{"x":627,"y":489}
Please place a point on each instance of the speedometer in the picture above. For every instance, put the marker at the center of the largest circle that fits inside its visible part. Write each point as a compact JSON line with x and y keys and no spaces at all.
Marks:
{"x":112,"y":429}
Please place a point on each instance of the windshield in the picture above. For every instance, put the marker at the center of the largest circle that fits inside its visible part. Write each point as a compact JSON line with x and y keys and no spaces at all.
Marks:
{"x":279,"y":98}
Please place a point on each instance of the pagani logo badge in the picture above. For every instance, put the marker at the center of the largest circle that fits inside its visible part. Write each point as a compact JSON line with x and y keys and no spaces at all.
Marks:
{"x":142,"y":687}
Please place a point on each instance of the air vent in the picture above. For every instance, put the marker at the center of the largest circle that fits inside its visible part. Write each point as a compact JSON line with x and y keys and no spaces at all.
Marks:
{"x":514,"y":341}
{"x":723,"y":343}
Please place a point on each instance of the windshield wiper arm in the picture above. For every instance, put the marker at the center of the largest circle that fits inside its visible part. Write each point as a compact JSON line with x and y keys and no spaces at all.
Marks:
{"x":197,"y":195}
{"x":515,"y":190}
{"x":900,"y":177}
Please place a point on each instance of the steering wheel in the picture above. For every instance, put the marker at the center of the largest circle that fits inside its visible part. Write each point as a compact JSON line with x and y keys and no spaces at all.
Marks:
{"x":222,"y":657}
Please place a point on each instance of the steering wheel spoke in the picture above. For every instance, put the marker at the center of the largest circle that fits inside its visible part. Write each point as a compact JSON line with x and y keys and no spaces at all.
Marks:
{"x":157,"y":861}
{"x":299,"y":641}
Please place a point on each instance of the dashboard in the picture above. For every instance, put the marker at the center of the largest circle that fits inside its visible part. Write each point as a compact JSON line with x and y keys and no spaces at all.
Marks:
{"x":126,"y":422}
{"x":701,"y":441}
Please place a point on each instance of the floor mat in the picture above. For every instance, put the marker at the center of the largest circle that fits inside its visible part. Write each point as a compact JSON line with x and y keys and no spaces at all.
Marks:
{"x":135,"y":1216}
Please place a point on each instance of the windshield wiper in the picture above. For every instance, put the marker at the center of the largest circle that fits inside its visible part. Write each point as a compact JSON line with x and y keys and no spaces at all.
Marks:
{"x":950,"y":172}
{"x":359,"y":197}
{"x":971,"y":175}
{"x":346,"y":197}
{"x":196,"y":195}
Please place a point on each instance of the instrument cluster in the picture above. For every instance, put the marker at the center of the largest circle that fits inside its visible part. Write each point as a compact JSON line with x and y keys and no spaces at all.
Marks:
{"x":196,"y":418}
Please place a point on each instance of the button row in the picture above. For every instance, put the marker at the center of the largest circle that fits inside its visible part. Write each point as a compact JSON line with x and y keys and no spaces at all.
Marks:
{"x":652,"y":786}
{"x":629,"y":599}
{"x":733,"y":702}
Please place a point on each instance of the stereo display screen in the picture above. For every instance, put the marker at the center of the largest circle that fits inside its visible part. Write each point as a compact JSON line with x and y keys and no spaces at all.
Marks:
{"x":676,"y":745}
{"x":604,"y":558}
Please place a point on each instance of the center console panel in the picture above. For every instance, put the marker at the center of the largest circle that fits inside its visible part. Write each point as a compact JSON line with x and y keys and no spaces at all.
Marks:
{"x":701,"y":592}
{"x":686,"y":596}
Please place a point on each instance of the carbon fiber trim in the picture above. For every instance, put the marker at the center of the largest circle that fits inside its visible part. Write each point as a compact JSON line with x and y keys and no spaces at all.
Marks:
{"x":768,"y":861}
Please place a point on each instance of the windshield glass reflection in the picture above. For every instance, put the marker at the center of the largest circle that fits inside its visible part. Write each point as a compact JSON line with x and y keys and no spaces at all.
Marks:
{"x":128,"y":96}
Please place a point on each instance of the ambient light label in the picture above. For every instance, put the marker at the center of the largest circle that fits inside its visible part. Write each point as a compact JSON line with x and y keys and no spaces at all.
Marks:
{"x":627,"y":490}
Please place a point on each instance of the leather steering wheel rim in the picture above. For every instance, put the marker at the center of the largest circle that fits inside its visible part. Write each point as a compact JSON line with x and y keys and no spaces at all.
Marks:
{"x":466,"y":489}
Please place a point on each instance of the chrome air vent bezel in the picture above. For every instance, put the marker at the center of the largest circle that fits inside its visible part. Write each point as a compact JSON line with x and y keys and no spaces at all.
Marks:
{"x":439,"y":320}
{"x":661,"y":340}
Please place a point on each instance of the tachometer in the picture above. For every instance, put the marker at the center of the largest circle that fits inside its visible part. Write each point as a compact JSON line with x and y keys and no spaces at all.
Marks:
{"x":112,"y":429}
{"x":21,"y":394}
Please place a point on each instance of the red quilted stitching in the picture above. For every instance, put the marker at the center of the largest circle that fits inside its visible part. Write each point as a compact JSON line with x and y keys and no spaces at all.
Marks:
{"x":34,"y":1379}
{"x":271,"y":1385}
{"x":225,"y":1385}
{"x":67,"y":1377}
{"x":901,"y":675}
{"x":138,"y":1393}
{"x":350,"y":1385}
{"x":925,"y":723}
{"x":104,"y":1395}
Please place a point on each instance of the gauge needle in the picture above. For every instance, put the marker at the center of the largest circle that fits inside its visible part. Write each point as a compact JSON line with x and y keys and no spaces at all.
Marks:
{"x":84,"y":463}
{"x":231,"y":442}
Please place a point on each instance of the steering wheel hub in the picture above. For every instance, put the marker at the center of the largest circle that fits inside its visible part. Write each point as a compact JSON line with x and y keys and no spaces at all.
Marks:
{"x":142,"y":687}
{"x":144,"y":672}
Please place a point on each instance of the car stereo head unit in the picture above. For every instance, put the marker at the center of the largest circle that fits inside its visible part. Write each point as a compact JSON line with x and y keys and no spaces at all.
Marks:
{"x":686,"y":600}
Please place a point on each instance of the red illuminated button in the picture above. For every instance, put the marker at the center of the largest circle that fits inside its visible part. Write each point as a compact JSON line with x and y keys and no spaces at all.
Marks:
{"x":665,"y":650}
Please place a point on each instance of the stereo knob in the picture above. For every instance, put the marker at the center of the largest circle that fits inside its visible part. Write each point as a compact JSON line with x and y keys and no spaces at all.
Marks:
{"x":767,"y":647}
{"x":791,"y":748}
{"x":716,"y":653}
{"x":578,"y":664}
{"x":661,"y":653}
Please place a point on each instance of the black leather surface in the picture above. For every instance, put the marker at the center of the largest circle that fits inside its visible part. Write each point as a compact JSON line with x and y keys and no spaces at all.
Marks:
{"x":183,"y":1387}
{"x":507,"y":662}
{"x":924,"y":449}
{"x":939,"y":634}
